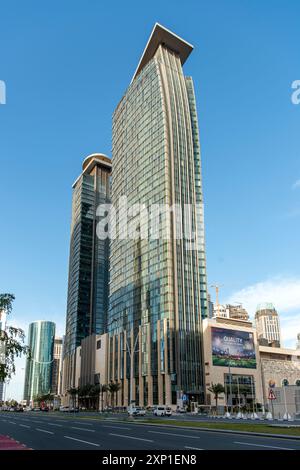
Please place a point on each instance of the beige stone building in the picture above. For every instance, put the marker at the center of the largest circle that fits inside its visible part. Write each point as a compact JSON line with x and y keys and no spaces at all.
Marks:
{"x":279,"y":366}
{"x":231,"y":358}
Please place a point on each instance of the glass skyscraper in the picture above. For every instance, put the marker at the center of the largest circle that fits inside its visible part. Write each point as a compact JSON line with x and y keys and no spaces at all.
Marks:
{"x":158,"y":292}
{"x":39,"y":365}
{"x":87,"y":303}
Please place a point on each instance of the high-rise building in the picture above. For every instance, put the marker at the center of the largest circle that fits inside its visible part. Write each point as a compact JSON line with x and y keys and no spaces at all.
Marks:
{"x":158,"y":290}
{"x":87,"y":303}
{"x":38,"y":372}
{"x":56,"y":369}
{"x":298,"y":341}
{"x":2,"y":352}
{"x":267,"y":324}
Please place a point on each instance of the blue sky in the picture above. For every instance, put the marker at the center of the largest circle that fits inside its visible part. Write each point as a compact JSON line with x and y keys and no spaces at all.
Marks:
{"x":66,"y":66}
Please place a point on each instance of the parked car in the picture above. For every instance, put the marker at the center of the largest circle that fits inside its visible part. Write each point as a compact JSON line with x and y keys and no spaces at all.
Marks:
{"x":19,"y":409}
{"x":180,"y":409}
{"x":160,"y":410}
{"x":64,"y":409}
{"x":136,"y":411}
{"x":74,"y":409}
{"x":168,"y":411}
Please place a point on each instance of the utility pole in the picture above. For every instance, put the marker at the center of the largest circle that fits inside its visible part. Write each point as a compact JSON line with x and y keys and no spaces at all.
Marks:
{"x":217,"y":288}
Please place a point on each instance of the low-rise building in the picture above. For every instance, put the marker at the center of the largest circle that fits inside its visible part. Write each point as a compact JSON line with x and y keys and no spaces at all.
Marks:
{"x":231,"y":357}
{"x":279,"y":367}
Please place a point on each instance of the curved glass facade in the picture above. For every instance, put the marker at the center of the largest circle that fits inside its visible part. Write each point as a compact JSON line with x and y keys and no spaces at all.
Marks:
{"x":158,"y":286}
{"x":38,"y":372}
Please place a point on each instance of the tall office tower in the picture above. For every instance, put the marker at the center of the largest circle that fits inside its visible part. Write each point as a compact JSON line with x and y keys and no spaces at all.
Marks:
{"x":56,"y":369}
{"x":158,"y":291}
{"x":87,"y":303}
{"x":2,"y":351}
{"x":267,"y":324}
{"x":38,"y":372}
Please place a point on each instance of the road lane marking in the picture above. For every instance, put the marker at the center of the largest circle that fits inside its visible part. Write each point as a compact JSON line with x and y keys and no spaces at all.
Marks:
{"x":193,"y":448}
{"x":131,"y":437}
{"x":261,"y":445}
{"x":44,"y":430}
{"x":83,"y":424}
{"x":80,"y":440}
{"x":117,"y":427}
{"x":54,"y":424}
{"x":12,"y":422}
{"x":82,"y":429}
{"x":172,"y":434}
{"x":24,"y":426}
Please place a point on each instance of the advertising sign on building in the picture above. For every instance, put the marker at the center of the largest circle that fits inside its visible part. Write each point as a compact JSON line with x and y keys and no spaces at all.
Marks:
{"x":232,"y":347}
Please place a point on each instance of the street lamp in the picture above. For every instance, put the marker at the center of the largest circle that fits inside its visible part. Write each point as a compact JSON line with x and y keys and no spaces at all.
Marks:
{"x":131,"y":356}
{"x":230,"y":380}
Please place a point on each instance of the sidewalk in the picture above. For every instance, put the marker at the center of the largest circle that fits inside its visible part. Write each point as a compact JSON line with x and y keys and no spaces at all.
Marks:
{"x":7,"y":443}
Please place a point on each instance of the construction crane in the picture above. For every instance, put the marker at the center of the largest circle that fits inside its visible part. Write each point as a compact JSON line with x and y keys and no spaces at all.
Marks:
{"x":217,"y":287}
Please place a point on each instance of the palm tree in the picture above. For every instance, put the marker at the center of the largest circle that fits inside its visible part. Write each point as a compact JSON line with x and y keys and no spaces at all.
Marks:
{"x":113,"y":388}
{"x":103,"y":389}
{"x":73,"y":392}
{"x":94,"y":393}
{"x":216,"y":389}
{"x":85,"y":394}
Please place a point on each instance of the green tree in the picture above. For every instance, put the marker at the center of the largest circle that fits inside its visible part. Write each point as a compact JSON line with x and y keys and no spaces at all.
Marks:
{"x":94,"y":393}
{"x":103,"y":389}
{"x":11,"y":341}
{"x":113,"y":388}
{"x":73,"y":392}
{"x":84,"y":394}
{"x":217,"y":390}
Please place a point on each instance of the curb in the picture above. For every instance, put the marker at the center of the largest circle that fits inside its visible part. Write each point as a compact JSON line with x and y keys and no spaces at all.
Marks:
{"x":226,"y":431}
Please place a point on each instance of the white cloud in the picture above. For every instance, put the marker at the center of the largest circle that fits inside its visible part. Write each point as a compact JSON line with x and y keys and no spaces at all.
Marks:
{"x":284,"y":293}
{"x":296,"y":185}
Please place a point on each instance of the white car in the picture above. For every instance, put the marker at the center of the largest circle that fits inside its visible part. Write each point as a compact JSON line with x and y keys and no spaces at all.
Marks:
{"x":64,"y":409}
{"x":136,"y":411}
{"x":160,"y":410}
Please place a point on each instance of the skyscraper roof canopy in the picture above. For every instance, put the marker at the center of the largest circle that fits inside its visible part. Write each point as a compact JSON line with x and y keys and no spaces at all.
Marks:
{"x":96,"y":157}
{"x":161,"y":35}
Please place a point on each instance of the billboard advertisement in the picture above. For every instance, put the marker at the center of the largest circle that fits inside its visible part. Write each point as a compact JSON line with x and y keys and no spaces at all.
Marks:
{"x":236,"y":347}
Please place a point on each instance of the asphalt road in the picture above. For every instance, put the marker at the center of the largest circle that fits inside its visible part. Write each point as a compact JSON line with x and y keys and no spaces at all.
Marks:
{"x":43,"y":431}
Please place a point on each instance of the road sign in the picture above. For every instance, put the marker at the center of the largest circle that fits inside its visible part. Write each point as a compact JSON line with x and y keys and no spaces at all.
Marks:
{"x":271,"y":395}
{"x":184,"y":398}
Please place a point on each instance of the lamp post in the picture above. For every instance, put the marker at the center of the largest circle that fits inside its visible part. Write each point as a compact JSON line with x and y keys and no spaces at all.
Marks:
{"x":230,"y":380}
{"x":131,"y":355}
